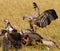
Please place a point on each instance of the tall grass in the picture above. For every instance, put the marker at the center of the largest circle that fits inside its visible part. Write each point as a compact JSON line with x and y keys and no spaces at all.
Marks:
{"x":14,"y":10}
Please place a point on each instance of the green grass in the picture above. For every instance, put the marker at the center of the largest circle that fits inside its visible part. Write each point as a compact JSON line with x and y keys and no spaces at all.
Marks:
{"x":14,"y":10}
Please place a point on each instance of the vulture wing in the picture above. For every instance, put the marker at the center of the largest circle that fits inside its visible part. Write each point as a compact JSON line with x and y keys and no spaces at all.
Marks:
{"x":46,"y":17}
{"x":37,"y":13}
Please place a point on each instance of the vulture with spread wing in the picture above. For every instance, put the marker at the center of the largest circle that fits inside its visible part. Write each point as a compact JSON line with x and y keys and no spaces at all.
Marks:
{"x":43,"y":19}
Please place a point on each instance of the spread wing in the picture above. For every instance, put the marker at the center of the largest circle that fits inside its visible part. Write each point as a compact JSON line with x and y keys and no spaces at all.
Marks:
{"x":46,"y":17}
{"x":37,"y":13}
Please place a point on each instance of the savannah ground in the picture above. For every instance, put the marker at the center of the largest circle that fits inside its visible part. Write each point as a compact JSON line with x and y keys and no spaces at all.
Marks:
{"x":14,"y":10}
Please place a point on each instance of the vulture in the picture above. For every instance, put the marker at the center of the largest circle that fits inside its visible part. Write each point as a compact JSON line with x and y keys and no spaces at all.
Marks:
{"x":41,"y":19}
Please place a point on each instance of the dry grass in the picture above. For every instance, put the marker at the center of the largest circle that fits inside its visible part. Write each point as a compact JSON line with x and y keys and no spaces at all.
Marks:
{"x":13,"y":10}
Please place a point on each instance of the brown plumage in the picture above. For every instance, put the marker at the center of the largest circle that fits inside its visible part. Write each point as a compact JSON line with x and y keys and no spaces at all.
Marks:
{"x":43,"y":19}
